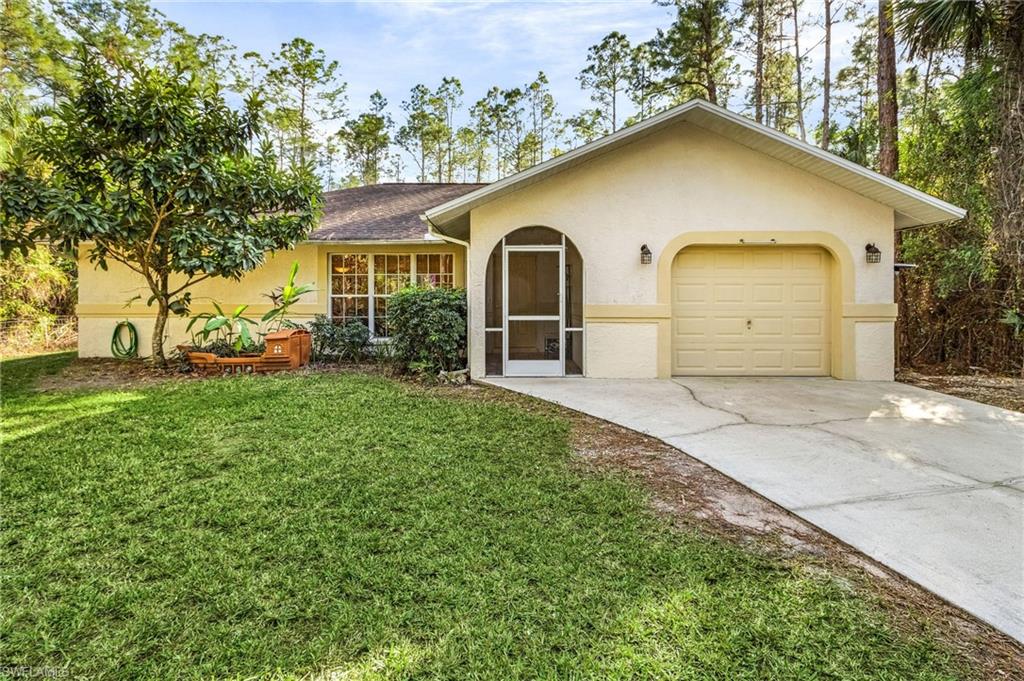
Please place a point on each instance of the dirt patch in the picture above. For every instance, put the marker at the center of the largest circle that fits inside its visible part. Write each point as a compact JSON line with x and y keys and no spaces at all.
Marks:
{"x":107,"y":374}
{"x":1006,"y":392}
{"x":694,"y":496}
{"x":125,"y":374}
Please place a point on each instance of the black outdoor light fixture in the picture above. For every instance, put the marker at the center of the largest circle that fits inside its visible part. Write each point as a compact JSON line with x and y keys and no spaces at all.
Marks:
{"x":873,"y":254}
{"x":645,"y":255}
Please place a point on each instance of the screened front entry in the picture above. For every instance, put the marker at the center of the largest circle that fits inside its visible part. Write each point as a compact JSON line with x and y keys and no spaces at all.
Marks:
{"x":534,"y":324}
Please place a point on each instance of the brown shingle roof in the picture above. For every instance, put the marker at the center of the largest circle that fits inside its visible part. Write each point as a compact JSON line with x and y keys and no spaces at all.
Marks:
{"x":383,"y":212}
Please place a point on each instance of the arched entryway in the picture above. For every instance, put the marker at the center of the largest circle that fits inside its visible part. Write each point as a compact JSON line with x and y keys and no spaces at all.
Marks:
{"x":534,"y":305}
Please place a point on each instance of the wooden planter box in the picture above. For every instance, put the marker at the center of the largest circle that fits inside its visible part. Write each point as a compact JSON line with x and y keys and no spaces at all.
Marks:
{"x":288,"y":349}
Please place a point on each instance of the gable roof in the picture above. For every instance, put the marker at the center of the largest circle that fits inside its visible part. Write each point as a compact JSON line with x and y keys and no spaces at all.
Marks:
{"x":382,"y":212}
{"x":913,"y":207}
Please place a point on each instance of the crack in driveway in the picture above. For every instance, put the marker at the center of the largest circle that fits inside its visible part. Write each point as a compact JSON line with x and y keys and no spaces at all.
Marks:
{"x":866,"y":447}
{"x":926,"y":492}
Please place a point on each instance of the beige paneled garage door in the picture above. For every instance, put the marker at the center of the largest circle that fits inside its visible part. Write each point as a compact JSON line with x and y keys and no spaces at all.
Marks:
{"x":750,"y":310}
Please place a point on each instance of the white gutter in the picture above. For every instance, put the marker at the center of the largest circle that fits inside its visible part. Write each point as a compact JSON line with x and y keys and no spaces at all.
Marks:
{"x":432,"y":229}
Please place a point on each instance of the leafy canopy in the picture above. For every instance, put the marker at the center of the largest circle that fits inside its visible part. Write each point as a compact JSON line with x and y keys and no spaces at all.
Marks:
{"x":152,"y":167}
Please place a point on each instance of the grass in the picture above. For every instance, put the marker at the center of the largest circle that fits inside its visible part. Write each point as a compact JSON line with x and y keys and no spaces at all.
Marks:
{"x":19,"y":376}
{"x":352,"y":527}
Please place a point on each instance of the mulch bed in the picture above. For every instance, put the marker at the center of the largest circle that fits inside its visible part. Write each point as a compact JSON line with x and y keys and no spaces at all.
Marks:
{"x":695,"y":497}
{"x":108,"y":374}
{"x":125,"y":374}
{"x":1006,"y":392}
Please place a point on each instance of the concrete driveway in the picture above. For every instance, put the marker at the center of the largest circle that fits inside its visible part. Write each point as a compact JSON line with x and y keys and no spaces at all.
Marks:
{"x":928,"y":484}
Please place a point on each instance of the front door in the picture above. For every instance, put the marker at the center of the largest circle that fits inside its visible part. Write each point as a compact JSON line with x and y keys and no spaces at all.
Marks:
{"x":534,"y":325}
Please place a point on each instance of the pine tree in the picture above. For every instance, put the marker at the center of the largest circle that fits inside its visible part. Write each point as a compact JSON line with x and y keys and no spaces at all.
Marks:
{"x":694,"y":53}
{"x":888,"y":116}
{"x":543,"y":119}
{"x":366,"y":139}
{"x":607,"y":75}
{"x":422,"y":133}
{"x":308,"y":90}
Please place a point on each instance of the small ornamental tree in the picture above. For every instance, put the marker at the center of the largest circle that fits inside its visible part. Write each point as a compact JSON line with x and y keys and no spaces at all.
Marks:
{"x":153,"y":170}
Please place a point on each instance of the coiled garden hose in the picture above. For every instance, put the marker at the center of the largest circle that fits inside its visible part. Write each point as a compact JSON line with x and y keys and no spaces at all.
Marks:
{"x":117,"y":346}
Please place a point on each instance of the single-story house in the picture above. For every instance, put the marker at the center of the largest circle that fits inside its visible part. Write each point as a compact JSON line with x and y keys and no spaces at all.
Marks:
{"x":696,"y":242}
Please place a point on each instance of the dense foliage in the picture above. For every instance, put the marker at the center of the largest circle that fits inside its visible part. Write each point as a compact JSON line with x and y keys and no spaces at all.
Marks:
{"x":37,"y":299}
{"x":334,"y":341}
{"x":37,"y":284}
{"x":152,"y":167}
{"x":962,"y":138}
{"x":428,"y":328}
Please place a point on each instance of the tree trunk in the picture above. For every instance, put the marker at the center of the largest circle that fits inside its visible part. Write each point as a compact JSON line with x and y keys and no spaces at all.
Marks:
{"x":826,"y":82}
{"x":799,"y":72}
{"x":1009,"y":167}
{"x":615,"y":98}
{"x":759,"y":30}
{"x":159,"y":288}
{"x":302,"y":125}
{"x":159,"y":329}
{"x":888,"y":119}
{"x":707,"y":27}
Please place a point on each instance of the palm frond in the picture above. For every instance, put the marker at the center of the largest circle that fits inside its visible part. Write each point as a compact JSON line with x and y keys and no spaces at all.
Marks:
{"x":928,"y":26}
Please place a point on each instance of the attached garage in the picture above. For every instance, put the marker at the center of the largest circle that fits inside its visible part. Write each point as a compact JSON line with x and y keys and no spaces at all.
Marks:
{"x":751,"y":311}
{"x":709,"y":245}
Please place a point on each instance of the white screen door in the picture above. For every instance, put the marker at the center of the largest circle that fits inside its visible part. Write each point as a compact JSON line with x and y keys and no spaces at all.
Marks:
{"x":534,"y":316}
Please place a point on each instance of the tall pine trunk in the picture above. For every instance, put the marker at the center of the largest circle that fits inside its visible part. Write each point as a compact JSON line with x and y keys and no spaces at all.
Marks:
{"x":759,"y":37}
{"x":707,"y":25}
{"x":826,"y":81}
{"x":1009,"y":167}
{"x":888,"y":136}
{"x":799,"y":72}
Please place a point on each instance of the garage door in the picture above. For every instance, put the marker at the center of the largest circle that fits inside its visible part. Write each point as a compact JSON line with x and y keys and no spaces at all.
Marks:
{"x":750,"y":311}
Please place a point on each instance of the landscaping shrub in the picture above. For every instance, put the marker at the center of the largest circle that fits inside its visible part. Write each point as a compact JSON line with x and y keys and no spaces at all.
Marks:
{"x":353,"y":340}
{"x":339,"y":341}
{"x":428,"y":328}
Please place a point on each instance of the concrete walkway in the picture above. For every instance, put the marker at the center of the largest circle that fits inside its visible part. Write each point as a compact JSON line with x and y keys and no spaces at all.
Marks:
{"x":928,"y":484}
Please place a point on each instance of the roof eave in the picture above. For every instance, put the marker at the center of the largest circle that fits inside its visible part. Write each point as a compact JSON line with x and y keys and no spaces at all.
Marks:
{"x":427,"y":239}
{"x":933,"y":209}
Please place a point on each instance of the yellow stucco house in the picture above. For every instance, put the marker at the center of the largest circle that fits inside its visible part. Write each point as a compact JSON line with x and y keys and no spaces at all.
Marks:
{"x":694,"y":243}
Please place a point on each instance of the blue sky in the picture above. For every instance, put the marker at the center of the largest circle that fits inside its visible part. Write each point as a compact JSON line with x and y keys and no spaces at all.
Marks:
{"x":393,"y":45}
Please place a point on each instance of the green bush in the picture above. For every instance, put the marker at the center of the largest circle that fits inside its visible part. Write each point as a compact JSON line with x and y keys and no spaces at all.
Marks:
{"x":428,"y":328}
{"x":353,"y":340}
{"x":339,"y":341}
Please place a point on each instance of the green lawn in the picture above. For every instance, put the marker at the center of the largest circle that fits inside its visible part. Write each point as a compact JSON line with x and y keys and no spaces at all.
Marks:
{"x":292,"y":525}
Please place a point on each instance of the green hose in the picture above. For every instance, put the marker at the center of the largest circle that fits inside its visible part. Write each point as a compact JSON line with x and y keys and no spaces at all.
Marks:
{"x":118,"y":348}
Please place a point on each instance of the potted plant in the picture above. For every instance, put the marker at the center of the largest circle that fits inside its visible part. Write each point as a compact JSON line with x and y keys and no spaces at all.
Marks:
{"x":225,"y":341}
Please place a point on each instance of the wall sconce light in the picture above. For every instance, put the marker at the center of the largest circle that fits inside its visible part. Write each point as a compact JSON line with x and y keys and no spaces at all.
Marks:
{"x":873,"y":254}
{"x":645,"y":255}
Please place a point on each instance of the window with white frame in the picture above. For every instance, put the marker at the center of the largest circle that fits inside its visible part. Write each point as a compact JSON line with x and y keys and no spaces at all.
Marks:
{"x":361,"y":284}
{"x":434,"y":270}
{"x":350,"y":288}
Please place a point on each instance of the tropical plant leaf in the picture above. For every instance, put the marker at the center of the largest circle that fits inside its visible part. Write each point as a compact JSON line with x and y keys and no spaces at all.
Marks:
{"x":215,"y":323}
